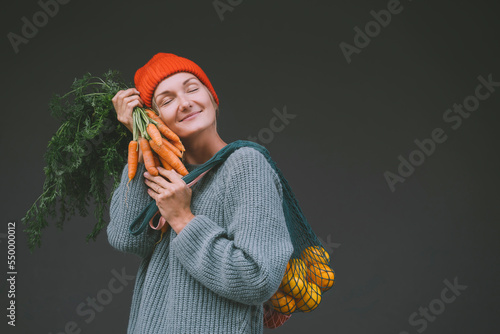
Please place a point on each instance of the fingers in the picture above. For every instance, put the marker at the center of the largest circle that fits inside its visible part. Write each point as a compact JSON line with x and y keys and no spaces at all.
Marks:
{"x":155,"y":187}
{"x":155,"y":180}
{"x":124,"y":93}
{"x":157,"y":183}
{"x":132,"y":104}
{"x":127,"y":101}
{"x":153,"y":195}
{"x":132,"y":98}
{"x":124,"y":102}
{"x":172,"y":175}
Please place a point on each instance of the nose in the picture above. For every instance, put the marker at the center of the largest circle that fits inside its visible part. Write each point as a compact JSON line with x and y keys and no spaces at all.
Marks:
{"x":184,"y":102}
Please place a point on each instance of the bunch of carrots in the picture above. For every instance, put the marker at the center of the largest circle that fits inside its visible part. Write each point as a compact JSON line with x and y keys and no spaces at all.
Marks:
{"x":160,"y":146}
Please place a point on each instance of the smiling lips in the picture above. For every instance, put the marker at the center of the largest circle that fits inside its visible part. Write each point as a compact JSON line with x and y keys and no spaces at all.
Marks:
{"x":191,"y":115}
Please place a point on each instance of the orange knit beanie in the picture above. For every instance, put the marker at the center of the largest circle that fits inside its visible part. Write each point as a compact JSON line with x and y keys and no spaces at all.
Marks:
{"x":161,"y":66}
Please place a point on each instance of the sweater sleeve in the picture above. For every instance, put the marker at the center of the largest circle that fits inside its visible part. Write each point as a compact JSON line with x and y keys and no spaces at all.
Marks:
{"x":245,"y":262}
{"x":126,"y":204}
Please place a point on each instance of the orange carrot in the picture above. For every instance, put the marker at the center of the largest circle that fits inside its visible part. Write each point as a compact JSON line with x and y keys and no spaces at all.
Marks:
{"x":162,"y":127}
{"x":149,"y":160}
{"x":179,"y":145}
{"x":169,"y":157}
{"x":133,"y":158}
{"x":157,"y":160}
{"x":172,"y":147}
{"x":155,"y":134}
{"x":165,"y":164}
{"x":151,"y":113}
{"x":165,"y":130}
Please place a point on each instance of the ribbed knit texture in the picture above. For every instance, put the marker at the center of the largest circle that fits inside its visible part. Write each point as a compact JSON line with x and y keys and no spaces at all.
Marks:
{"x":214,"y":276}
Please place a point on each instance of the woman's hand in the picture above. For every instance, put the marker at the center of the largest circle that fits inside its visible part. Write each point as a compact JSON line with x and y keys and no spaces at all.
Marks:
{"x":124,"y":102}
{"x":172,"y":196}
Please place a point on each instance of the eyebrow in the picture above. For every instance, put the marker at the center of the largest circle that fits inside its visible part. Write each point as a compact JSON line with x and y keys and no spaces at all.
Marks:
{"x":167,"y":91}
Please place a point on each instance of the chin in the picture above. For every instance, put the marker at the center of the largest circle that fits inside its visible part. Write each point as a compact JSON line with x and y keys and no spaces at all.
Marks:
{"x":192,"y":131}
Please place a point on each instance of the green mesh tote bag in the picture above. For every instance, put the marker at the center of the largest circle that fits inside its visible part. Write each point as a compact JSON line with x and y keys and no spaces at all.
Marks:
{"x":308,"y":274}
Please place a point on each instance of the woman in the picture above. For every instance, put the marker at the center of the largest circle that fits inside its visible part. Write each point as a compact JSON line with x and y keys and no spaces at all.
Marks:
{"x":228,"y":246}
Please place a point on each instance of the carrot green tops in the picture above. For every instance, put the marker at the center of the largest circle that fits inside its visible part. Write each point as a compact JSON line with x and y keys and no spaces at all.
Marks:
{"x":214,"y":276}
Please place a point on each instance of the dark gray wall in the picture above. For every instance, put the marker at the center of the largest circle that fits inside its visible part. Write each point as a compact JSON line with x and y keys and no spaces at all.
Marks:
{"x":392,"y":250}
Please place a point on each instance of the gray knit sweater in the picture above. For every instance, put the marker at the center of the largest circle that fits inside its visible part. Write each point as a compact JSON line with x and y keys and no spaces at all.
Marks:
{"x":214,"y":276}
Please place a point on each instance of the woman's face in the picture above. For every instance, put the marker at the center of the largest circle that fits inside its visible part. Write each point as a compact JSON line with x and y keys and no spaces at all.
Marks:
{"x":178,"y":96}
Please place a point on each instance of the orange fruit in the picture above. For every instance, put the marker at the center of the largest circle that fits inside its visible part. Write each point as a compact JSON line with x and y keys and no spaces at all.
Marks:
{"x":321,"y":275}
{"x":296,"y":267}
{"x":282,"y":302}
{"x":315,"y":254}
{"x":293,"y":285}
{"x":311,"y":298}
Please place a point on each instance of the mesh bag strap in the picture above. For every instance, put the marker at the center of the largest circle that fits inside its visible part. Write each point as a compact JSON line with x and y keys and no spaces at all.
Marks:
{"x":300,"y":231}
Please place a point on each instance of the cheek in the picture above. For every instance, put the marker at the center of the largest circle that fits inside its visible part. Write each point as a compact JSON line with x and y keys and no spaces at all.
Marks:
{"x":204,"y":97}
{"x":167,"y":117}
{"x":207,"y":101}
